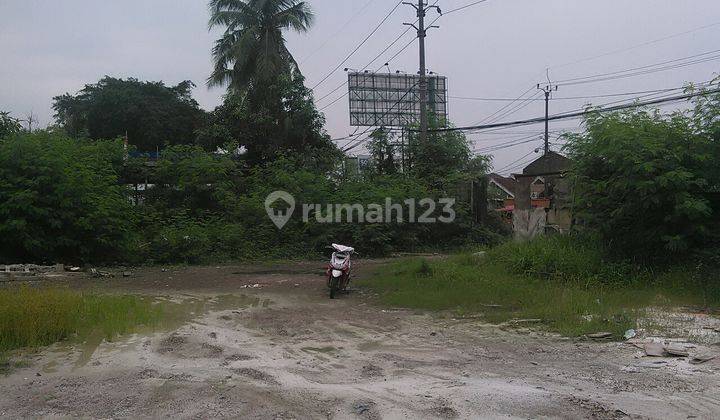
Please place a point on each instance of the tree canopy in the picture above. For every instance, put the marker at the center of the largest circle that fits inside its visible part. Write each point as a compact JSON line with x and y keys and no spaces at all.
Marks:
{"x":284,"y":121}
{"x":150,"y":113}
{"x":643,"y":180}
{"x":8,"y":125}
{"x":252,"y":50}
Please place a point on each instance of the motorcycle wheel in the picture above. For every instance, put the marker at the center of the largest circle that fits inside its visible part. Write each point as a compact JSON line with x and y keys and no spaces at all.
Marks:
{"x":334,"y":287}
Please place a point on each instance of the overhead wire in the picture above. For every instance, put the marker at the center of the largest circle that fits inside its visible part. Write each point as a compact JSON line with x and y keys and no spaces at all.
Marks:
{"x":643,"y":70}
{"x":635,"y":104}
{"x":344,"y":83}
{"x":393,"y":57}
{"x":358,"y":46}
{"x":510,"y":165}
{"x":336,"y":33}
{"x":563,"y":98}
{"x":654,"y":41}
{"x":632,"y":47}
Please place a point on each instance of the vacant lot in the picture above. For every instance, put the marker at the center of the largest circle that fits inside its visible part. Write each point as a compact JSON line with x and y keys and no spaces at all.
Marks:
{"x":266,"y":342}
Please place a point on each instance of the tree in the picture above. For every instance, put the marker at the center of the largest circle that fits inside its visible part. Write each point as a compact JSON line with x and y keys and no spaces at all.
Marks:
{"x":60,"y":200}
{"x":252,"y":50}
{"x":151,"y":113}
{"x":441,"y":158}
{"x":284,"y":122}
{"x":8,"y":125}
{"x":641,"y":181}
{"x":383,"y":152}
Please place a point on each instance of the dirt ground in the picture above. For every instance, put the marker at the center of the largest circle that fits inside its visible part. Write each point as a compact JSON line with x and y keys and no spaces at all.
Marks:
{"x":266,"y":342}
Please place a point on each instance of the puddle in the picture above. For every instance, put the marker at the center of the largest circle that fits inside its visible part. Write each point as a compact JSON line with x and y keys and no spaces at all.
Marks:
{"x":369,"y":346}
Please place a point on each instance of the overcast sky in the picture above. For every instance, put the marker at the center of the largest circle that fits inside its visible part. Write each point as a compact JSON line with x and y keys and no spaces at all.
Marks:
{"x":496,"y":49}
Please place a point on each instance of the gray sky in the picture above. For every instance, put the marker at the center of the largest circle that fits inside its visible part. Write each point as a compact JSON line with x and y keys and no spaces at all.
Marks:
{"x":496,"y":49}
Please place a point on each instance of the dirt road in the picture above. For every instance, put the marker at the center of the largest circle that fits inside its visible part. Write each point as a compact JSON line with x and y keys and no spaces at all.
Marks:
{"x":266,"y":342}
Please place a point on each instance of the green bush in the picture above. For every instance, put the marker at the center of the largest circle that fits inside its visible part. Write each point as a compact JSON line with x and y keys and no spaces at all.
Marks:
{"x":60,"y":200}
{"x":642,"y":182}
{"x":562,"y":282}
{"x":65,"y":201}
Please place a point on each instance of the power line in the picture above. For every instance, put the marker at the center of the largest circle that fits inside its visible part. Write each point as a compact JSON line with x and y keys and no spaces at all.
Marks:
{"x":654,"y":41}
{"x":579,"y":114}
{"x":372,"y":61}
{"x":345,"y":82}
{"x":514,"y":162}
{"x":508,"y":145}
{"x":566,"y":98}
{"x":389,"y":60}
{"x":523,"y":104}
{"x":647,"y":69}
{"x":359,"y":45}
{"x":637,"y":98}
{"x":340,"y":30}
{"x":643,"y":44}
{"x":508,"y":105}
{"x":464,"y":7}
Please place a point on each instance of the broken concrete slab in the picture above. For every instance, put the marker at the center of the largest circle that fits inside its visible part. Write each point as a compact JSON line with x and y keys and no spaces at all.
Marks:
{"x":654,"y":349}
{"x":677,"y":350}
{"x":698,"y":359}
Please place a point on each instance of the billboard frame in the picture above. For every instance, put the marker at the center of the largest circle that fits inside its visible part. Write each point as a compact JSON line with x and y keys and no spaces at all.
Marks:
{"x":393,"y":99}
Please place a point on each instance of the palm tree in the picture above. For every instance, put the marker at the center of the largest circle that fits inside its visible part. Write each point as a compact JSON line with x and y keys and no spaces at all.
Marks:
{"x":252,"y":49}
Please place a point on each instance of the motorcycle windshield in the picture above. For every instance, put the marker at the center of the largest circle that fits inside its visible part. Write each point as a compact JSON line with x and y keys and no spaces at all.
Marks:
{"x":343,"y":248}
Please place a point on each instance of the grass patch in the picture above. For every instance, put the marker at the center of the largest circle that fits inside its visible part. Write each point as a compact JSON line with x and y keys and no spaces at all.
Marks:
{"x":32,"y":317}
{"x":559,"y":280}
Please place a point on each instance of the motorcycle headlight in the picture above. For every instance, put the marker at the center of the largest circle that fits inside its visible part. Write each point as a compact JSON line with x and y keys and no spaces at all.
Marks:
{"x":337,"y":273}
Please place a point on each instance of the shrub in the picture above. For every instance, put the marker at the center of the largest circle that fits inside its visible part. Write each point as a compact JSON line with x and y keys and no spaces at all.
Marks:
{"x":60,"y":200}
{"x":641,"y":182}
{"x":565,"y":258}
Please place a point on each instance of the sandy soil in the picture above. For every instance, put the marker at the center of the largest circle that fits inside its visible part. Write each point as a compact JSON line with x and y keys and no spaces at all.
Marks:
{"x":266,"y":342}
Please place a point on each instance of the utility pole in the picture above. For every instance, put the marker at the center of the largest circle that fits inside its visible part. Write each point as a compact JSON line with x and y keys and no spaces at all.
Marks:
{"x":547,"y":89}
{"x":421,"y":9}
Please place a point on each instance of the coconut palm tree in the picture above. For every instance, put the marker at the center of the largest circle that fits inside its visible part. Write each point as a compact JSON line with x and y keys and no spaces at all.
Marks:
{"x":252,"y":49}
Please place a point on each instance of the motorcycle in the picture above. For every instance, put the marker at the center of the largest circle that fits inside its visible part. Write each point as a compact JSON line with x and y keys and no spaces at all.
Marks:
{"x":338,"y":271}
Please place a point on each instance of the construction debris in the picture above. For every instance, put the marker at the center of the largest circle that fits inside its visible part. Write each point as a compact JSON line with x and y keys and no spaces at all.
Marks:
{"x":12,"y":271}
{"x":676,"y":350}
{"x":631,"y":333}
{"x":701,"y":359}
{"x":97,"y":273}
{"x":655,"y":349}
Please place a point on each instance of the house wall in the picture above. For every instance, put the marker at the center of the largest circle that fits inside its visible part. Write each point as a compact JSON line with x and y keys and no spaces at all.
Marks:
{"x":540,"y":216}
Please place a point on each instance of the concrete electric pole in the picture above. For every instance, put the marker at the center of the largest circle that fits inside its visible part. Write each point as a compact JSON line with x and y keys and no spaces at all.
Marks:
{"x":547,"y":89}
{"x":421,"y":9}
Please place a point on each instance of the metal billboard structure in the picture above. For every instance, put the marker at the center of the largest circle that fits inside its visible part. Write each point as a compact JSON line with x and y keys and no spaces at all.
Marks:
{"x":393,"y":100}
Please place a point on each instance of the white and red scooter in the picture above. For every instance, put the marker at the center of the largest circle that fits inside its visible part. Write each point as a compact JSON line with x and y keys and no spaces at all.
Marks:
{"x":338,"y":271}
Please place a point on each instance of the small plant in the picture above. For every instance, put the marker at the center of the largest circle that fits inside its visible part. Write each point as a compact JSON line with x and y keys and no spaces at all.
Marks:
{"x":563,"y":281}
{"x":31,"y":317}
{"x":425,"y":270}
